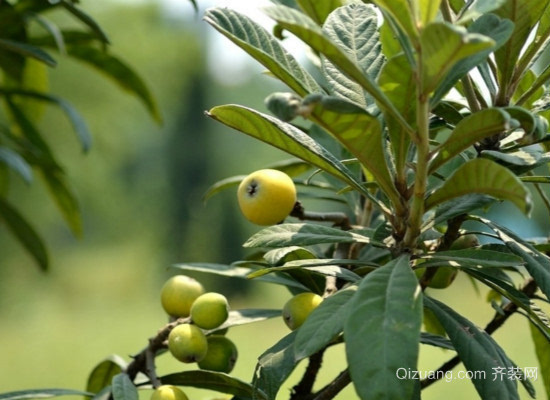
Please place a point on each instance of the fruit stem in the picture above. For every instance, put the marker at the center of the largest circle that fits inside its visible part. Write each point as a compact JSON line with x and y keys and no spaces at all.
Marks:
{"x":337,"y":218}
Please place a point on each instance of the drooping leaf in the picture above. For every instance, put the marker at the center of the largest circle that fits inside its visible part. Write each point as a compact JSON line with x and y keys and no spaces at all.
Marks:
{"x":246,"y":316}
{"x":488,"y":25}
{"x":483,"y":176}
{"x":535,"y":315}
{"x":78,"y":123}
{"x":306,"y":29}
{"x":443,"y":45}
{"x":85,"y":18}
{"x":536,"y":263}
{"x":323,"y":325}
{"x":302,"y":234}
{"x":274,"y":366}
{"x":397,"y":82}
{"x":123,"y":388}
{"x":319,"y":10}
{"x":382,"y":331}
{"x":16,"y":163}
{"x":524,"y":14}
{"x":476,"y":257}
{"x":25,"y":233}
{"x":211,"y":380}
{"x":262,"y":46}
{"x":104,"y":372}
{"x":42,"y":394}
{"x":542,"y":350}
{"x":470,"y":130}
{"x":119,"y":72}
{"x":65,"y":200}
{"x":354,"y":28}
{"x":27,"y":50}
{"x":278,"y":257}
{"x":477,"y":350}
{"x":285,"y":137}
{"x":238,"y":272}
{"x":329,"y":267}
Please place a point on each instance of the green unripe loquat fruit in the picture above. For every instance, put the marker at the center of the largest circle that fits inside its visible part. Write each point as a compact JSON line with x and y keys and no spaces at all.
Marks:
{"x":298,"y":308}
{"x":221,"y":355}
{"x":465,"y":242}
{"x":187,"y":343}
{"x":209,"y":310}
{"x":267,"y":196}
{"x":168,"y":392}
{"x":178,"y":294}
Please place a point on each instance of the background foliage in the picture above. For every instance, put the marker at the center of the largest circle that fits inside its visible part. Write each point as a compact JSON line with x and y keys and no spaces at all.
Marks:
{"x":119,"y":180}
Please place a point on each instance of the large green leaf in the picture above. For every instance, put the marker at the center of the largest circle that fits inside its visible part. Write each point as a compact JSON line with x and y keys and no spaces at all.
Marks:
{"x":238,"y":272}
{"x":285,"y":137}
{"x":402,"y":14}
{"x":119,"y":72}
{"x":542,"y":349}
{"x":307,"y":30}
{"x":382,"y":331}
{"x":42,"y":394}
{"x":398,"y":83}
{"x":24,"y":232}
{"x":468,"y":131}
{"x":274,"y":366}
{"x":262,"y":46}
{"x":354,"y":28}
{"x":443,"y":45}
{"x":536,"y":263}
{"x":104,"y":372}
{"x":483,"y":176}
{"x":539,"y":43}
{"x":361,"y":135}
{"x":488,"y":25}
{"x":461,"y":205}
{"x":86,"y":19}
{"x":211,"y":380}
{"x":519,"y":161}
{"x":524,"y":14}
{"x":284,"y":235}
{"x":319,"y":10}
{"x":478,"y":351}
{"x":123,"y":388}
{"x":323,"y":325}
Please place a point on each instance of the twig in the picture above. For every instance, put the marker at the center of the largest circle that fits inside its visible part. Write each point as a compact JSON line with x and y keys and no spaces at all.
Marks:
{"x":529,"y":288}
{"x":334,"y":387}
{"x":304,"y":387}
{"x":144,"y":361}
{"x":337,"y":218}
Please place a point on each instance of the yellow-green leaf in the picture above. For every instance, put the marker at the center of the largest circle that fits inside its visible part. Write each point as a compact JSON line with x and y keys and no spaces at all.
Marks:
{"x":483,"y":176}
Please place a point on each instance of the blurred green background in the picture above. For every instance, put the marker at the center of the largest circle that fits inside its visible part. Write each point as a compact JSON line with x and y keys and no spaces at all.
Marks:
{"x":140,"y":190}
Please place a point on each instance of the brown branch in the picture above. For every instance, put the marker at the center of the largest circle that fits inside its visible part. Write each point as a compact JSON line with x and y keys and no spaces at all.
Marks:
{"x":337,"y":218}
{"x":303,"y":388}
{"x":144,"y":361}
{"x":529,"y":288}
{"x":333,"y":388}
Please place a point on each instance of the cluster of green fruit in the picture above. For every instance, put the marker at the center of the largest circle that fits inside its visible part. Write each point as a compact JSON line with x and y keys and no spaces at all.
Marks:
{"x":182,"y":297}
